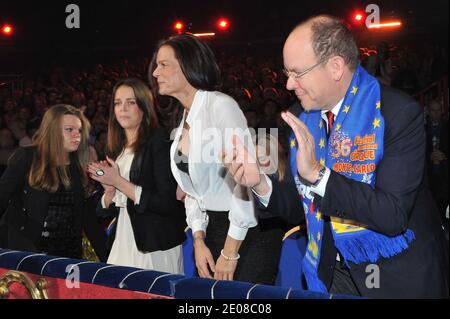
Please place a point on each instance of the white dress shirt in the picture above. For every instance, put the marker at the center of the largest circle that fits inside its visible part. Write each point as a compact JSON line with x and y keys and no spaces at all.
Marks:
{"x":213,"y":119}
{"x":321,"y":187}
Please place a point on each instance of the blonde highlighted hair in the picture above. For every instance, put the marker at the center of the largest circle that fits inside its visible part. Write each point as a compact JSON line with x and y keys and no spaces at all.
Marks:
{"x":49,"y":168}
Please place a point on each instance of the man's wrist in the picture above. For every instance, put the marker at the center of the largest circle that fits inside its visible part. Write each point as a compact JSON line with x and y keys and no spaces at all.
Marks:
{"x":316,"y":176}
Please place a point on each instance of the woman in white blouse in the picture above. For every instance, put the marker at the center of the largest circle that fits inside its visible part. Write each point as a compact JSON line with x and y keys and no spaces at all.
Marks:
{"x":219,"y":212}
{"x":139,"y":187}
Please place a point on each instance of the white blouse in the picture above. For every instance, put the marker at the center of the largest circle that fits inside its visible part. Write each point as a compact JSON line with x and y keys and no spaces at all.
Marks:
{"x":213,"y":119}
{"x":124,"y":251}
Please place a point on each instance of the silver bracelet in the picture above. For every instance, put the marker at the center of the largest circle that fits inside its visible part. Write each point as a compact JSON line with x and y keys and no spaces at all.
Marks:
{"x":230,"y":258}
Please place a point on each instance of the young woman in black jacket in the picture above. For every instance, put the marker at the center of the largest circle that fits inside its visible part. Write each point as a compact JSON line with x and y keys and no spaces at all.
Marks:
{"x":138,"y":184}
{"x":42,"y":191}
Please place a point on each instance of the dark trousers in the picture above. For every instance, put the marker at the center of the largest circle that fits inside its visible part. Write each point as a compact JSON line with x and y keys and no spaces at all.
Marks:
{"x":342,"y":281}
{"x":260,"y":251}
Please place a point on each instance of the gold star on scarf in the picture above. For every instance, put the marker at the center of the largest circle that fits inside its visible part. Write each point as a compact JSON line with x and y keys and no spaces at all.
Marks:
{"x":354,"y":90}
{"x":318,"y":216}
{"x":322,"y":143}
{"x":338,"y":126}
{"x":322,"y":161}
{"x":376,"y":123}
{"x":293,"y":143}
{"x":378,"y":104}
{"x":320,"y":124}
{"x":318,"y":236}
{"x":346,"y":108}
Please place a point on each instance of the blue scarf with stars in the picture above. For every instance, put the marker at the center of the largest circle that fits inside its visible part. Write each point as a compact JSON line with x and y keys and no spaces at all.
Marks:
{"x":353,"y":149}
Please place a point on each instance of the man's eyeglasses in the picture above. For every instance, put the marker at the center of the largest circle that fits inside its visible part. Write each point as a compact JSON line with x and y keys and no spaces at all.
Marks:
{"x":298,"y":75}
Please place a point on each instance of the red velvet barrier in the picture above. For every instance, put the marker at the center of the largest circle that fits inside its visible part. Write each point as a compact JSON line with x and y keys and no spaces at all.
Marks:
{"x":57,"y":289}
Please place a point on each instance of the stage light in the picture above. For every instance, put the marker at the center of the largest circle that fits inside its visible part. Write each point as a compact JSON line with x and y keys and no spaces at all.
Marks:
{"x":392,"y":24}
{"x":7,"y":29}
{"x":358,"y":17}
{"x":223,"y":24}
{"x":203,"y":35}
{"x":178,"y":26}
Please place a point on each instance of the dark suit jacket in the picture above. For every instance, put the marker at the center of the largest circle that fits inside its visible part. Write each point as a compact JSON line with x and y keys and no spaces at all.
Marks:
{"x":443,"y":138}
{"x":438,"y":176}
{"x":399,"y":201}
{"x":25,"y":208}
{"x":159,"y":220}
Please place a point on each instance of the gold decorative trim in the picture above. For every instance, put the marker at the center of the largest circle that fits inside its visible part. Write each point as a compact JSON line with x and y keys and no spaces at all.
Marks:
{"x":291,"y":231}
{"x":37,"y":291}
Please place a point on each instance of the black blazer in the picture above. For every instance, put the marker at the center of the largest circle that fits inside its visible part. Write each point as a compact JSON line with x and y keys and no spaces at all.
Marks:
{"x":24,"y":208}
{"x":443,"y":138}
{"x":159,"y":220}
{"x":399,"y":201}
{"x":438,"y":179}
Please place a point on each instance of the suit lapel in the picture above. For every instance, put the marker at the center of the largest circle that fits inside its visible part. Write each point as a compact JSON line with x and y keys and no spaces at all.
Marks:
{"x":136,"y":165}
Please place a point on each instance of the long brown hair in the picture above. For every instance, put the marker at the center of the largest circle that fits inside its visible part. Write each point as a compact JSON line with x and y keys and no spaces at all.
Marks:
{"x":49,"y":169}
{"x":117,"y":139}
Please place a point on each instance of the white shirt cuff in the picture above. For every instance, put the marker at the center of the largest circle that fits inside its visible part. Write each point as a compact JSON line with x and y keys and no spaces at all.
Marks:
{"x":198,"y":225}
{"x":321,"y":187}
{"x":137,"y":194}
{"x":237,"y":232}
{"x":264,"y":199}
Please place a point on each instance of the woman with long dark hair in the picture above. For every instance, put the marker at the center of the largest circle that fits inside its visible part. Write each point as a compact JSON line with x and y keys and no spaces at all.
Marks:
{"x":139,"y":187}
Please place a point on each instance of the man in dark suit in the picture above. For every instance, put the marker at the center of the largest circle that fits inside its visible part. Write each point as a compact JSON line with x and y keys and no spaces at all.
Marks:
{"x":321,"y":58}
{"x":437,"y":154}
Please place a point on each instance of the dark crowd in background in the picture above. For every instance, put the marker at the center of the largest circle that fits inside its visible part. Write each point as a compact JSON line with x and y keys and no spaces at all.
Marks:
{"x":256,"y":81}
